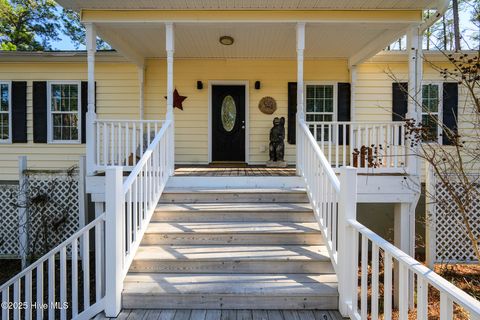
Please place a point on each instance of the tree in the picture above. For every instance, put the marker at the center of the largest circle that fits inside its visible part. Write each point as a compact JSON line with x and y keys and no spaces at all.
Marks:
{"x":28,"y":25}
{"x":74,"y":29}
{"x":456,"y":164}
{"x":456,"y":25}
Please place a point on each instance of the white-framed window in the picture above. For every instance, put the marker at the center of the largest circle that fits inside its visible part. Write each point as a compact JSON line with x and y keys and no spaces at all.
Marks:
{"x":432,"y":106}
{"x":64,"y":112}
{"x":5,"y":112}
{"x":320,"y":106}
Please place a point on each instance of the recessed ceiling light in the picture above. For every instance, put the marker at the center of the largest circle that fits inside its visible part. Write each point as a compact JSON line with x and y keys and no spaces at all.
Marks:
{"x":226,"y":40}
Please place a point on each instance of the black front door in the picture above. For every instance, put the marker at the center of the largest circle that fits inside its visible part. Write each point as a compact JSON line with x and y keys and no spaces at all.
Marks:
{"x":228,"y":123}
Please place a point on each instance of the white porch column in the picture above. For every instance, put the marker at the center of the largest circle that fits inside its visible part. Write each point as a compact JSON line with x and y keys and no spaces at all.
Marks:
{"x":415,"y":77}
{"x":300,"y":89}
{"x":91,"y":43}
{"x":141,"y":84}
{"x":170,"y":45}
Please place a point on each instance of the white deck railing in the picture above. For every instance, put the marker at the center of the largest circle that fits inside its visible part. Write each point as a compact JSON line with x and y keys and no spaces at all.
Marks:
{"x":323,"y":186}
{"x":376,"y":251}
{"x":122,"y":142}
{"x":57,"y":285}
{"x":129,"y":208}
{"x":378,"y":147}
{"x":334,"y":202}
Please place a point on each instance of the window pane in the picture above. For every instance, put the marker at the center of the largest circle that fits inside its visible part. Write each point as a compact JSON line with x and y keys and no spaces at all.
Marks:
{"x":3,"y":126}
{"x":310,"y":92}
{"x":328,"y":105}
{"x":65,"y":127}
{"x":430,"y":126}
{"x":4,"y":97}
{"x":310,"y":118}
{"x":320,"y":92}
{"x":328,"y":92}
{"x":57,"y":133}
{"x":310,"y":105}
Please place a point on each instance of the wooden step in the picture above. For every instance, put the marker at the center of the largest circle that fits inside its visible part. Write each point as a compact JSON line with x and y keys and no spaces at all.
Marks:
{"x":285,"y":233}
{"x":202,"y":195}
{"x":232,"y":258}
{"x":247,"y":212}
{"x":230,"y":291}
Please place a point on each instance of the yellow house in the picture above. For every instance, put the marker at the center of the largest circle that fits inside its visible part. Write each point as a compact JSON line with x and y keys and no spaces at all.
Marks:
{"x":176,"y":128}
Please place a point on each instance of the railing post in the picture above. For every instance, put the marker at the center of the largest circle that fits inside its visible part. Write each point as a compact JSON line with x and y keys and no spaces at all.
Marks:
{"x":113,"y":241}
{"x":346,"y":266}
{"x":91,"y":116}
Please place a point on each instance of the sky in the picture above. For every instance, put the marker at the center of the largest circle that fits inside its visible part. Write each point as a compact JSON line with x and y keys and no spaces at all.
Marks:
{"x":466,"y":26}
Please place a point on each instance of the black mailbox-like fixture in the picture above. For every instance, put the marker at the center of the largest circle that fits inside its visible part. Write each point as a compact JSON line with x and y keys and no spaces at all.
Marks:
{"x":258,"y":85}
{"x":199,"y":85}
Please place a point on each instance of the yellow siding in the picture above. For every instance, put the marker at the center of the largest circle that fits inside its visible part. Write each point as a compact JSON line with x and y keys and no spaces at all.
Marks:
{"x":117,"y":97}
{"x":191,"y":125}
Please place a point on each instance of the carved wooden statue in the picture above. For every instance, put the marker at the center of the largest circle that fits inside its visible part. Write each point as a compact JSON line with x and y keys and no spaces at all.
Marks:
{"x":277,"y":144}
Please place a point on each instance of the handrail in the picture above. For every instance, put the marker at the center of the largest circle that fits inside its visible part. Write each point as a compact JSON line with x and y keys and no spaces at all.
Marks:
{"x":122,"y":142}
{"x":130,"y":205}
{"x":56,"y":289}
{"x":136,"y":171}
{"x":54,"y":251}
{"x":330,"y":173}
{"x":454,"y":293}
{"x":378,"y":146}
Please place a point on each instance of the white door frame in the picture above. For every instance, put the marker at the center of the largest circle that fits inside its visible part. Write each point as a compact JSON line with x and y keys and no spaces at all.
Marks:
{"x":245,"y":83}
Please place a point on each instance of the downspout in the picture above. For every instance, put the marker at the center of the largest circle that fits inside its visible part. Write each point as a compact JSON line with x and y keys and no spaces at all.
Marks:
{"x":442,"y":7}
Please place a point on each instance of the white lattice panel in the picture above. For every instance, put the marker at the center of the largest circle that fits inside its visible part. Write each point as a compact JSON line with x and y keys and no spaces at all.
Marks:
{"x":9,"y":220}
{"x":54,"y":207}
{"x":452,"y":242}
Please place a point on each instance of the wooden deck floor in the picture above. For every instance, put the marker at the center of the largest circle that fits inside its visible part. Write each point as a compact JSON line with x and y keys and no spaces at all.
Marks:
{"x":171,"y":314}
{"x":206,"y":171}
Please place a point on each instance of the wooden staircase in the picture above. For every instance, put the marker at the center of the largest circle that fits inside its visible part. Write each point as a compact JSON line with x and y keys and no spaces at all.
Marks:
{"x":232,"y":249}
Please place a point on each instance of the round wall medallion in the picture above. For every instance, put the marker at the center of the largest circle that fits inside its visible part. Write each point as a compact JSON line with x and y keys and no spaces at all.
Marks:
{"x":267,"y":105}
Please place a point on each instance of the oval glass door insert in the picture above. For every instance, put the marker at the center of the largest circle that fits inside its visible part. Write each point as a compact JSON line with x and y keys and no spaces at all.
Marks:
{"x":229,"y":113}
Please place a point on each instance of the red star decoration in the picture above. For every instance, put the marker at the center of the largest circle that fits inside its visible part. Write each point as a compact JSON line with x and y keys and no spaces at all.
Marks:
{"x":178,"y":100}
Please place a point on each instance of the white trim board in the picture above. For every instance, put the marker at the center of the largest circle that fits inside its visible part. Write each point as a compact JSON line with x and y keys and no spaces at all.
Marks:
{"x":245,"y":83}
{"x":10,"y":124}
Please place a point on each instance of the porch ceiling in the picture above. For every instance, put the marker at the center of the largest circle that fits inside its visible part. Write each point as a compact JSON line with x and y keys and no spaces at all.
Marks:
{"x":250,"y":4}
{"x":252,"y":40}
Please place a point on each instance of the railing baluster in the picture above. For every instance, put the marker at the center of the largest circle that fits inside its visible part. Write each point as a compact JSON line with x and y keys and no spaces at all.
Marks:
{"x":86,"y":270}
{"x":364,"y":279}
{"x":134,"y":144}
{"x":74,"y":267}
{"x":51,"y":287}
{"x":375,"y":271}
{"x":387,"y":286}
{"x":422,"y":299}
{"x":446,"y":306}
{"x":28,"y":295}
{"x":6,"y":301}
{"x":403,"y":293}
{"x":98,"y":262}
{"x":16,"y":300}
{"x":105,"y":145}
{"x":63,"y":282}
{"x":39,"y":293}
{"x":98,"y":125}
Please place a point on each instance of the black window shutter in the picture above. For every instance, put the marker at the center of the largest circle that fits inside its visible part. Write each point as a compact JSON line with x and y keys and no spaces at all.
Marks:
{"x":399,"y":101}
{"x":84,"y":94}
{"x":450,"y":110}
{"x":292,"y":112}
{"x":344,"y":112}
{"x":19,"y":111}
{"x":40,"y":112}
